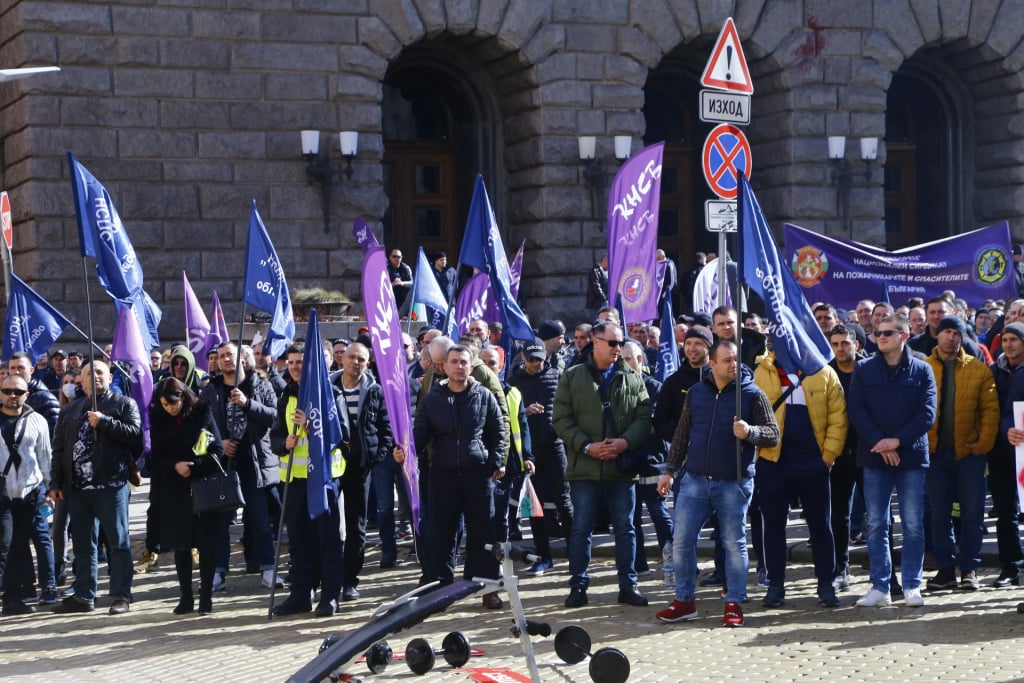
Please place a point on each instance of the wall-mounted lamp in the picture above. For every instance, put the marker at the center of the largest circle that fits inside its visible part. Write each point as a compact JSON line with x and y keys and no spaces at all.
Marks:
{"x":843,"y":172}
{"x":321,"y":171}
{"x":594,"y":171}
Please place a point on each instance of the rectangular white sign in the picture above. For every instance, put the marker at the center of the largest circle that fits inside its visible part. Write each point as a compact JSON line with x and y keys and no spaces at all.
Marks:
{"x":724,"y":107}
{"x":720,"y":215}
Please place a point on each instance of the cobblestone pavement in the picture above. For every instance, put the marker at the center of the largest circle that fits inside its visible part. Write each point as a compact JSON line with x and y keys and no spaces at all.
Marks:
{"x":957,"y":636}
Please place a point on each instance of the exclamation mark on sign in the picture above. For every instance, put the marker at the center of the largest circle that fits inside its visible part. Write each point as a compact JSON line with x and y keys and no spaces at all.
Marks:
{"x":728,"y":62}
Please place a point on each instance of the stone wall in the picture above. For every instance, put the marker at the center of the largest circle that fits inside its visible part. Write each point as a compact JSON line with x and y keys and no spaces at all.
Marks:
{"x":188,"y":110}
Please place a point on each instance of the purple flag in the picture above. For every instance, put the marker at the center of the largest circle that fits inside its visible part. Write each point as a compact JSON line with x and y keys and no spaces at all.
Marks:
{"x":129,"y":349}
{"x":633,"y":204}
{"x":218,"y":328}
{"x":388,"y":350}
{"x":516,"y":270}
{"x":977,"y":264}
{"x":475,"y":301}
{"x":197,"y":327}
{"x":364,"y":236}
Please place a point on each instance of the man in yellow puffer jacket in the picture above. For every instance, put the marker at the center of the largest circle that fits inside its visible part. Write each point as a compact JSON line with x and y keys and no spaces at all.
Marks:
{"x":812,"y":421}
{"x":964,"y":432}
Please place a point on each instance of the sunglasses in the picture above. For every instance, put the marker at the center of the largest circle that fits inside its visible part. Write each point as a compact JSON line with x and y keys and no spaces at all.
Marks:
{"x":179,"y":362}
{"x":885,"y":333}
{"x":13,"y":392}
{"x":614,"y":343}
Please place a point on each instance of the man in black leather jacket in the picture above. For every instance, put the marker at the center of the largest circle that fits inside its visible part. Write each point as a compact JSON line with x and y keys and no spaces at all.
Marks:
{"x":91,"y":449}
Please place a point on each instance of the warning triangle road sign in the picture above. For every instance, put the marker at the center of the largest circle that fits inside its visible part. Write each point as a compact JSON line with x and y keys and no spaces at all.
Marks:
{"x":727,"y":68}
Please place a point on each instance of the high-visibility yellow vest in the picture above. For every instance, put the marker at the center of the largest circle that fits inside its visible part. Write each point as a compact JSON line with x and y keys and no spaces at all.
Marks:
{"x":300,"y":453}
{"x":515,"y":399}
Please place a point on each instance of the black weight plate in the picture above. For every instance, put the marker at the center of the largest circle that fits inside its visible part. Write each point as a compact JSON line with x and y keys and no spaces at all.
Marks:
{"x":572,"y":644}
{"x":456,"y":649}
{"x":419,"y":656}
{"x":609,"y":665}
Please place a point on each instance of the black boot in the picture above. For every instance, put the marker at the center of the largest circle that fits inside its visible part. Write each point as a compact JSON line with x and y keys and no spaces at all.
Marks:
{"x":205,"y":603}
{"x":183,"y":567}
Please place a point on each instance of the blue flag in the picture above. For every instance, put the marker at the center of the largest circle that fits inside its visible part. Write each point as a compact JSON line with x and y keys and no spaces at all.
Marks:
{"x":668,"y":352}
{"x":323,"y":427}
{"x":32,"y":323}
{"x":265,"y":286}
{"x":482,"y":248}
{"x":101,"y":234}
{"x":796,"y":338}
{"x":425,"y":289}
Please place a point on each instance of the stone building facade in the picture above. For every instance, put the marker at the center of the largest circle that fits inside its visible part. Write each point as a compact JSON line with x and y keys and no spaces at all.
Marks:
{"x":188,"y":109}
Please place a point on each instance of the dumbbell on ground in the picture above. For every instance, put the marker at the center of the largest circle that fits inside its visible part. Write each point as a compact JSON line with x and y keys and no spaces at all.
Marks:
{"x":420,"y":657}
{"x":607,"y":665}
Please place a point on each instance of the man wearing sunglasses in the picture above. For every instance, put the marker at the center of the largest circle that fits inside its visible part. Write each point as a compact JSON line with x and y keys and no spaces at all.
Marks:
{"x":892,"y":405}
{"x":602,"y":409}
{"x":25,"y":464}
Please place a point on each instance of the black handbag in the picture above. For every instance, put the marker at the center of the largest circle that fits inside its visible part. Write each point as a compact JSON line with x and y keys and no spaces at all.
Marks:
{"x":218,"y":492}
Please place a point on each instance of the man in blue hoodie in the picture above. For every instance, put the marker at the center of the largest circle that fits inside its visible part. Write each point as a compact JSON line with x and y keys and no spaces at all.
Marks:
{"x":892,"y":405}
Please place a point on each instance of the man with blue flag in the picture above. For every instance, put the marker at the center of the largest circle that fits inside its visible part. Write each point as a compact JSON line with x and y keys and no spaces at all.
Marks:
{"x":308,"y":436}
{"x":265,"y":286}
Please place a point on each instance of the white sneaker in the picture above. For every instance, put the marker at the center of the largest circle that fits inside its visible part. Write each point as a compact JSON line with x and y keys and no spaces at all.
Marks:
{"x":219,"y":583}
{"x":271,"y":580}
{"x":912,"y":597}
{"x":876,"y":598}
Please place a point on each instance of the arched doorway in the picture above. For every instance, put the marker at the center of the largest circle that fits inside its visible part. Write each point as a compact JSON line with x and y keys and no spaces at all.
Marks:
{"x":671,"y":113}
{"x":440,"y":128}
{"x":928,"y":167}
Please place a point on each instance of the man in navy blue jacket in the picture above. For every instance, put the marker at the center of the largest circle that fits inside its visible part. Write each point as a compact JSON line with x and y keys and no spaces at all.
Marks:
{"x":892,"y":404}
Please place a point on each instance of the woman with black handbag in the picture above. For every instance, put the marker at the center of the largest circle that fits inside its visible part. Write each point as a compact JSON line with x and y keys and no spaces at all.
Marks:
{"x":186,"y":447}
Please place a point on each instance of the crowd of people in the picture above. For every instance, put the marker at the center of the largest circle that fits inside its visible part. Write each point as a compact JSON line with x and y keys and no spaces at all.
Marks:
{"x":916,"y":401}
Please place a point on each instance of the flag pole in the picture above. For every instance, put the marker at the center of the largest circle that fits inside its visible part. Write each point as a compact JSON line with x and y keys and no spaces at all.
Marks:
{"x":739,"y":320}
{"x":88,"y":310}
{"x":238,"y":349}
{"x":280,"y":525}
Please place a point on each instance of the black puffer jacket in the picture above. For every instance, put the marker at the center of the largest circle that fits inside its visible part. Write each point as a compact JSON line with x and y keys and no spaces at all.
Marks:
{"x":465,"y":429}
{"x":260,"y":412}
{"x":540,"y":388}
{"x":44,"y":402}
{"x":118,"y":437}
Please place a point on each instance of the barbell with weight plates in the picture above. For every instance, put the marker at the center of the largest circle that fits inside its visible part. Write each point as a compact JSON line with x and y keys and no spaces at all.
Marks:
{"x":607,"y":665}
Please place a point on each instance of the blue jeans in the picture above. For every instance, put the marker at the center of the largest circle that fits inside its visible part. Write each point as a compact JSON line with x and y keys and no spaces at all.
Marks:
{"x":43,"y":544}
{"x":386,"y":475}
{"x":963,"y":480}
{"x":256,"y":517}
{"x":698,"y":498}
{"x":620,"y":496}
{"x":878,"y":487}
{"x":90,"y":511}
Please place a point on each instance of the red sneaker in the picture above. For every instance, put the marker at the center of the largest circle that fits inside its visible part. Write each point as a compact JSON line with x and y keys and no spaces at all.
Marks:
{"x":733,"y":614}
{"x":678,"y":611}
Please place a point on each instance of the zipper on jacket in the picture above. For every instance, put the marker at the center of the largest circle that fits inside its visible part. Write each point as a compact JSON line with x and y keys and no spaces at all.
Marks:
{"x":458,"y":435}
{"x":707,"y":446}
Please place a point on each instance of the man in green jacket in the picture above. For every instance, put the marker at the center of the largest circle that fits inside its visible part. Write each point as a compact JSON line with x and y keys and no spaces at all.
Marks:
{"x":601,"y":409}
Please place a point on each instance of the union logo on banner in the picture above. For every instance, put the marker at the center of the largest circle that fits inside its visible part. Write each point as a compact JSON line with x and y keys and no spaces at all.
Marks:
{"x":636,"y":284}
{"x":810,"y":265}
{"x":990,"y":266}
